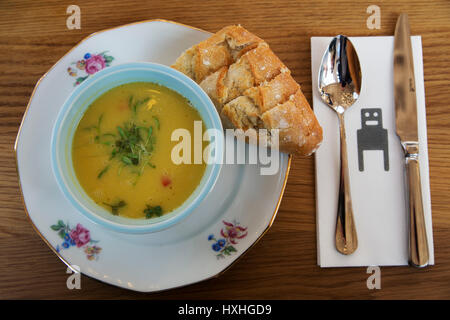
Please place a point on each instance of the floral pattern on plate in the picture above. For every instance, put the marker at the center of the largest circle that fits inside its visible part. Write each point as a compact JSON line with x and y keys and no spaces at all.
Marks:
{"x":79,"y":237}
{"x":90,"y":64}
{"x":231,"y":233}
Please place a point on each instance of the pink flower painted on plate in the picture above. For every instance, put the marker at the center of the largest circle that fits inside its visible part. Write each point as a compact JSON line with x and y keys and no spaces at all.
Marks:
{"x":94,"y":64}
{"x":80,"y":235}
{"x":233,"y":232}
{"x":89,"y":65}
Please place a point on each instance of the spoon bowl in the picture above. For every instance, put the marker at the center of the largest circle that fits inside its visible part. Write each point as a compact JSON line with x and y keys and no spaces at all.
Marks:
{"x":339,"y":87}
{"x":340,"y":75}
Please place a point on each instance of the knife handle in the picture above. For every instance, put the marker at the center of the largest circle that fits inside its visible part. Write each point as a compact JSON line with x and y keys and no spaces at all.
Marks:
{"x":418,"y":243}
{"x":346,"y":238}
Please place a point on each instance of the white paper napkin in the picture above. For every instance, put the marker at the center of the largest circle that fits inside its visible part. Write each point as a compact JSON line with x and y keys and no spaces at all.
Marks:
{"x":379,"y":199}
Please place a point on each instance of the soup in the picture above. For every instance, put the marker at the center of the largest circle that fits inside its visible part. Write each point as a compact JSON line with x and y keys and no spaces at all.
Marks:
{"x":122,"y":150}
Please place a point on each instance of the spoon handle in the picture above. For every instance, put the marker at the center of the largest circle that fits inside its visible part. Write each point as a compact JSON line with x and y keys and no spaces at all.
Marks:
{"x":346,"y":238}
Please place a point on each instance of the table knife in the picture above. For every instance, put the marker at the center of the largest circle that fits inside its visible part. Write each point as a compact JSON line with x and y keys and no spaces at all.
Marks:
{"x":406,"y":124}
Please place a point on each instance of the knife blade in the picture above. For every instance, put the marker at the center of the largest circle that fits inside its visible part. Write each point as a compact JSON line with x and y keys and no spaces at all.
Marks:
{"x":404,"y":82}
{"x":407,"y":131}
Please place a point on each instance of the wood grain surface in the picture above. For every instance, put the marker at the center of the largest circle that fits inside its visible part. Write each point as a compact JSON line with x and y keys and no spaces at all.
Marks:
{"x":33,"y":36}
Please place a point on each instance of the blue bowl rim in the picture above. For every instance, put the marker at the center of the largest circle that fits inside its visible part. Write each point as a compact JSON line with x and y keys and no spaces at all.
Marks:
{"x":205,"y":189}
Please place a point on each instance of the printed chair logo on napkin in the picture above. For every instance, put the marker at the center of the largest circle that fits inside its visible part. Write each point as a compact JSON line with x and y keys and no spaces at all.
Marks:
{"x":372,"y":136}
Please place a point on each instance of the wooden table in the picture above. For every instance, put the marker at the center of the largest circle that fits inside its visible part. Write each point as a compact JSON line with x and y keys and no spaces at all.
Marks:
{"x":33,"y":36}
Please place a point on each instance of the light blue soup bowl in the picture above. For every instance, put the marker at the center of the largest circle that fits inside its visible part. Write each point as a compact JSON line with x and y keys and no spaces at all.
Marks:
{"x":71,"y":114}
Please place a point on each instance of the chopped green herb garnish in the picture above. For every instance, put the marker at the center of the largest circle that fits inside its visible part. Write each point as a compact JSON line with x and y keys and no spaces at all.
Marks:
{"x":132,"y":144}
{"x":109,"y":135}
{"x":116,"y":206}
{"x":97,"y":128}
{"x":132,"y":147}
{"x":113,"y":154}
{"x":103,"y":172}
{"x":134,"y":105}
{"x":156,"y":121}
{"x":121,"y":132}
{"x":151,"y":212}
{"x":130,"y":101}
{"x":99,"y":121}
{"x":126,"y":160}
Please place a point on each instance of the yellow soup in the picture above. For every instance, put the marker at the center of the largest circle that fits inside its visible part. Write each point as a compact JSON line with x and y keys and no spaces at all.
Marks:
{"x":122,"y":150}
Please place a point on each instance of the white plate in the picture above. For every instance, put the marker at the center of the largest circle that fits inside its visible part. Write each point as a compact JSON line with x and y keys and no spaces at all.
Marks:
{"x":240,"y":208}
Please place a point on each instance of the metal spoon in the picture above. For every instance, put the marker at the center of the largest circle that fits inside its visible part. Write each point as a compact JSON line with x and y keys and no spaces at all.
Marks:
{"x":339,"y":86}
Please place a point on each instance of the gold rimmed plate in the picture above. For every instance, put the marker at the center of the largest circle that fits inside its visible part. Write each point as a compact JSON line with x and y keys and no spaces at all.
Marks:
{"x":234,"y":216}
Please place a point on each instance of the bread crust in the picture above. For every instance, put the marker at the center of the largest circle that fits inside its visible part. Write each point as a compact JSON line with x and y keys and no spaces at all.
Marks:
{"x":221,"y":49}
{"x":252,"y":69}
{"x":252,"y":89}
{"x":299,"y":131}
{"x":269,"y":94}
